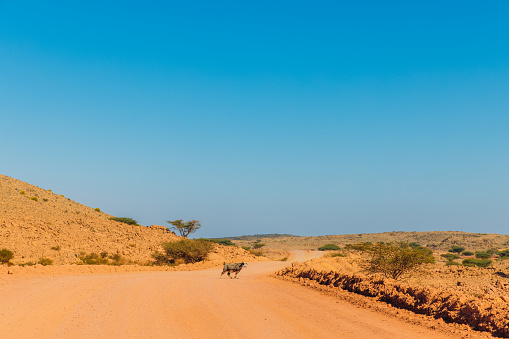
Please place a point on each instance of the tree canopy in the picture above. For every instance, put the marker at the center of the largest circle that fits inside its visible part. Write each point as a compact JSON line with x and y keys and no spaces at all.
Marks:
{"x":184,"y":228}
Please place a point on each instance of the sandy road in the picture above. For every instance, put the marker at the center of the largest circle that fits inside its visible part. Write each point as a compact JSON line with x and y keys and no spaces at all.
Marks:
{"x":185,"y":305}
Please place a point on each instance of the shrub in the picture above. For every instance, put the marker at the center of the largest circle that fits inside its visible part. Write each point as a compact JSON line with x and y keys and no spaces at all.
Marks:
{"x":476,"y":262}
{"x":482,"y":255}
{"x":414,"y":245}
{"x":467,"y":253}
{"x":33,"y":198}
{"x":457,"y":249}
{"x":185,"y":250}
{"x":257,"y":253}
{"x":22,"y":192}
{"x":258,"y":245}
{"x":492,"y":251}
{"x":28,"y":263}
{"x":6,"y":256}
{"x":503,"y":254}
{"x":129,"y":221}
{"x":247,"y":248}
{"x":93,"y":259}
{"x":449,"y":256}
{"x":45,"y":261}
{"x":394,"y":259}
{"x":56,"y":248}
{"x":44,"y":199}
{"x":117,"y":260}
{"x":101,"y":259}
{"x":329,"y":247}
{"x":337,"y":254}
{"x":97,"y":209}
{"x":450,"y":262}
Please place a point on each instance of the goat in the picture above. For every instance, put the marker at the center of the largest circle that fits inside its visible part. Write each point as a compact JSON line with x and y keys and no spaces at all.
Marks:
{"x":233,"y":267}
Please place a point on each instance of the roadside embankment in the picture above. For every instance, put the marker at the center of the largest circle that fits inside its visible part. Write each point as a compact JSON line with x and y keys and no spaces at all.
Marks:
{"x":479,"y":313}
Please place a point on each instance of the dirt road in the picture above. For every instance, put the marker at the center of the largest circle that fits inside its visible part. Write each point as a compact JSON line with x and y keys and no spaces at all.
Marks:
{"x":185,"y":305}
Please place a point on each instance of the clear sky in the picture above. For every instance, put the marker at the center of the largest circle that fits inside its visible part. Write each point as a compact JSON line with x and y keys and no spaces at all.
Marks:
{"x":309,"y":118}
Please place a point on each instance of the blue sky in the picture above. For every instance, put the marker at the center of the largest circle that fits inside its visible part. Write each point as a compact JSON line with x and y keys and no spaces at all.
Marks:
{"x":288,"y":117}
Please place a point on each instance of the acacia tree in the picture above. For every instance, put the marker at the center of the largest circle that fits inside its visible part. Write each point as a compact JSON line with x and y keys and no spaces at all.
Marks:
{"x":184,"y":228}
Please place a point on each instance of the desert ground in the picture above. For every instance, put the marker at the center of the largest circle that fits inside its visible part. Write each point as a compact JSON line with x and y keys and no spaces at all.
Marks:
{"x":193,"y":304}
{"x":289,"y":289}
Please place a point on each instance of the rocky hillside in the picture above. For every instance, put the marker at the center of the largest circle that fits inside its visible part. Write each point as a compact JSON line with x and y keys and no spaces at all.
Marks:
{"x":36,"y":223}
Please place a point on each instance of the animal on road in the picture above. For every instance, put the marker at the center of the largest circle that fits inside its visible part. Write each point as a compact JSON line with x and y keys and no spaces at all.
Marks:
{"x":232,"y":267}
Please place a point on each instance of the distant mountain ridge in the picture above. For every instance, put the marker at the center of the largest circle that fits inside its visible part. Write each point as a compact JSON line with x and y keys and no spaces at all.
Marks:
{"x":259,"y":236}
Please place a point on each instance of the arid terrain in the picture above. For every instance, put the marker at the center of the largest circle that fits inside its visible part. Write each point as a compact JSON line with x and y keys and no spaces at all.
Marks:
{"x":292,"y":291}
{"x":36,"y":223}
{"x":195,"y":304}
{"x":437,"y":241}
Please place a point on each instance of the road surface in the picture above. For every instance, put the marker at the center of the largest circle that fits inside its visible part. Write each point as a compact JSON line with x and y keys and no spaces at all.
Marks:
{"x":185,"y":305}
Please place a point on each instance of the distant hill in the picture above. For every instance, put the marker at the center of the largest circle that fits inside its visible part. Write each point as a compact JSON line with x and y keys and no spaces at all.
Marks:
{"x":436,"y":240}
{"x":259,"y":236}
{"x":36,"y":223}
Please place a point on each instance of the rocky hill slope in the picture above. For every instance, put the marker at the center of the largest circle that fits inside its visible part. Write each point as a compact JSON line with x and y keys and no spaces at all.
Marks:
{"x":36,"y":223}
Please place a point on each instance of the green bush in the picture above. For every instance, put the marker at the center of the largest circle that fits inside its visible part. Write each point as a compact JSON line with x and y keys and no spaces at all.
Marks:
{"x":93,"y":259}
{"x":247,"y":248}
{"x":28,"y":263}
{"x":503,"y":254}
{"x":414,"y":245}
{"x":22,"y":192}
{"x":482,"y":255}
{"x":450,"y":262}
{"x":97,"y":209}
{"x":185,"y":250}
{"x":101,"y":259}
{"x":45,"y":261}
{"x":337,"y":254}
{"x":129,"y":221}
{"x":450,"y":256}
{"x":467,"y":253}
{"x":476,"y":262}
{"x":457,"y":249}
{"x":258,"y":245}
{"x":45,"y":199}
{"x":329,"y":247}
{"x":117,"y":260}
{"x":492,"y":251}
{"x":33,"y":198}
{"x":6,"y":256}
{"x":56,"y":248}
{"x":394,"y":259}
